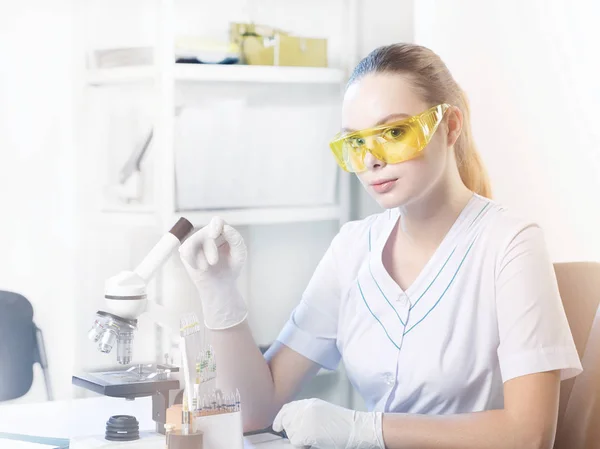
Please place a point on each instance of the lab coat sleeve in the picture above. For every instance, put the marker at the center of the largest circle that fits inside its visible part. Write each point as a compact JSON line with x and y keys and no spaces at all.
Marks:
{"x":312,"y":328}
{"x":533,"y":329}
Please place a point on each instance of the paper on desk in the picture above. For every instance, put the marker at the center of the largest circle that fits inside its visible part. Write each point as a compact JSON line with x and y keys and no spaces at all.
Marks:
{"x":265,"y":441}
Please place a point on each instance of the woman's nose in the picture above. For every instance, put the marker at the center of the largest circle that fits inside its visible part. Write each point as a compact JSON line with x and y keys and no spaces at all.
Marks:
{"x":371,"y":162}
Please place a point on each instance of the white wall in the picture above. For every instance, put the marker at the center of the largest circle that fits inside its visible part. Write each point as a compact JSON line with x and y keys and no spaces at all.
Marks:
{"x":531,"y":72}
{"x":37,"y":177}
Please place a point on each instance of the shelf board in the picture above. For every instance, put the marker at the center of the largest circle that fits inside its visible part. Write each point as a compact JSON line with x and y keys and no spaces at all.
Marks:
{"x":128,"y":208}
{"x":120,"y":75}
{"x":257,"y":74}
{"x":264,"y":215}
{"x":219,"y":73}
{"x":235,"y":217}
{"x":127,"y":219}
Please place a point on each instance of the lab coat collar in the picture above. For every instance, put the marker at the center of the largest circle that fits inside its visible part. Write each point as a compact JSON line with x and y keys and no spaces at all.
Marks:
{"x":396,"y":311}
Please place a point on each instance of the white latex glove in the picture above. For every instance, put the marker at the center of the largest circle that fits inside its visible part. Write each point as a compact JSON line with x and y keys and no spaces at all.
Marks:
{"x":316,"y":423}
{"x":214,"y":269}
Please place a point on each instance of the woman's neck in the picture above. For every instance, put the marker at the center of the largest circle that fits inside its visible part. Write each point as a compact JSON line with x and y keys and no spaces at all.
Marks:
{"x":427,"y":220}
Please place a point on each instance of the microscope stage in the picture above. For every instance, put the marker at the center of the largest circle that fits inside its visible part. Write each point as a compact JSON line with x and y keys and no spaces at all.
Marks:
{"x":133,"y":382}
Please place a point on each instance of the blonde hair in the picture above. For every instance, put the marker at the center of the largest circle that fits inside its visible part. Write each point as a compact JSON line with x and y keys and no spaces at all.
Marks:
{"x":434,"y":83}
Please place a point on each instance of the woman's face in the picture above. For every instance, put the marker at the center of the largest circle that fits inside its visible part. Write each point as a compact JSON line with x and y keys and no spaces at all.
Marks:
{"x":382,"y":98}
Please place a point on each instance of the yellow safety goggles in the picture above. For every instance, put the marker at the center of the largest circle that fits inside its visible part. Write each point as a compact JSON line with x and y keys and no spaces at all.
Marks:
{"x":391,"y":143}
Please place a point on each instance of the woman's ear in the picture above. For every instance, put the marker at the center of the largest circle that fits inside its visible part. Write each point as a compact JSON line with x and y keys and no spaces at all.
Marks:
{"x":455,"y":121}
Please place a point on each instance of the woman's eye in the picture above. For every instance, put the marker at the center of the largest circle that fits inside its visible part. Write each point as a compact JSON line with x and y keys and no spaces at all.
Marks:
{"x":356,"y":142}
{"x":394,"y":133}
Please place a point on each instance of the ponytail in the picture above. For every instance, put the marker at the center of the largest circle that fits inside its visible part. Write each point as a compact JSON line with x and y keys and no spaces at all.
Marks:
{"x":470,"y":166}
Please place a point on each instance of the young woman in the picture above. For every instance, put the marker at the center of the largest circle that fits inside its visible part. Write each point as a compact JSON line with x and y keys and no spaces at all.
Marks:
{"x":444,"y":308}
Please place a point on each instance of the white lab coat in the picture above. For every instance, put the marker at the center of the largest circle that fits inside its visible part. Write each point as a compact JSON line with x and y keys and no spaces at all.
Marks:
{"x":485,"y":309}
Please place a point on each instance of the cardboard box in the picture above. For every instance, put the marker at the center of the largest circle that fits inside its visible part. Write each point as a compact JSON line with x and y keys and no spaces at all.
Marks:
{"x":264,"y":45}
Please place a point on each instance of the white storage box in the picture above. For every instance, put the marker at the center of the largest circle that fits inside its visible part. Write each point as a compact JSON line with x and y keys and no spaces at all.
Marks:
{"x":223,"y":431}
{"x":233,"y":155}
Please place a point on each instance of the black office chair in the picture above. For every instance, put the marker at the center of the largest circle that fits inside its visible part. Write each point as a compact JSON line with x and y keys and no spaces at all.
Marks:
{"x":21,"y":346}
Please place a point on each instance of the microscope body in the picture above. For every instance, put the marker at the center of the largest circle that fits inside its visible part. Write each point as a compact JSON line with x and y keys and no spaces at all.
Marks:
{"x":126,"y":298}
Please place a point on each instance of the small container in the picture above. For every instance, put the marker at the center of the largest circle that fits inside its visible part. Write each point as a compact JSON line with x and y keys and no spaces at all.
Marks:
{"x":179,"y":440}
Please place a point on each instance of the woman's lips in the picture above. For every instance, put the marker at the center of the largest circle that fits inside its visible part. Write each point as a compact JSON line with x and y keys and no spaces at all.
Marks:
{"x":383,"y":186}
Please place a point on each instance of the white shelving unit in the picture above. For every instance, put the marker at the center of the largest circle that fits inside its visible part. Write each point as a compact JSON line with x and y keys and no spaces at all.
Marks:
{"x":219,"y":73}
{"x":168,"y":77}
{"x":164,"y":78}
{"x":271,"y":215}
{"x":146,"y":215}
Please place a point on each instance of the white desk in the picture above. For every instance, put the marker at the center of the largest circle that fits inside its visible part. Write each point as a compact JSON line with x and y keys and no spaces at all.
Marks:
{"x":80,"y":418}
{"x":68,"y":419}
{"x":153,"y":441}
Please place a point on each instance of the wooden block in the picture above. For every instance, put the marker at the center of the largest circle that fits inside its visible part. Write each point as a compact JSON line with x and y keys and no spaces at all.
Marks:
{"x":174,"y":415}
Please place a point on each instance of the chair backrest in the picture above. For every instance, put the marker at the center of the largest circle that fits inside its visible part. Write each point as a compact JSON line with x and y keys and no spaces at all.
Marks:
{"x":17,"y":345}
{"x":579,"y":412}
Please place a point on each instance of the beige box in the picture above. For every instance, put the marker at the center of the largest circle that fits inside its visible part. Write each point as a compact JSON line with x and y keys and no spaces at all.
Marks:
{"x":300,"y":51}
{"x":263,"y":45}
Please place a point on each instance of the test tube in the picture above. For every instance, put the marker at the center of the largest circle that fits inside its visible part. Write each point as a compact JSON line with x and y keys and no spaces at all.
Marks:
{"x":196,"y":404}
{"x":213,"y":403}
{"x":230,"y":402}
{"x":219,"y":397}
{"x":226,"y":403}
{"x":204,"y":410}
{"x":185,"y":417}
{"x":238,"y":401}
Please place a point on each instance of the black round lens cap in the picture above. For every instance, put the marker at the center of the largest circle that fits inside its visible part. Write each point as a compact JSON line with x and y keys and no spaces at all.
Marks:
{"x":122,"y":428}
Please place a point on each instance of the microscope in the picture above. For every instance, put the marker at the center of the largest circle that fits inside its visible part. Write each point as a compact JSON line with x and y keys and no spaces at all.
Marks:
{"x":125,"y":300}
